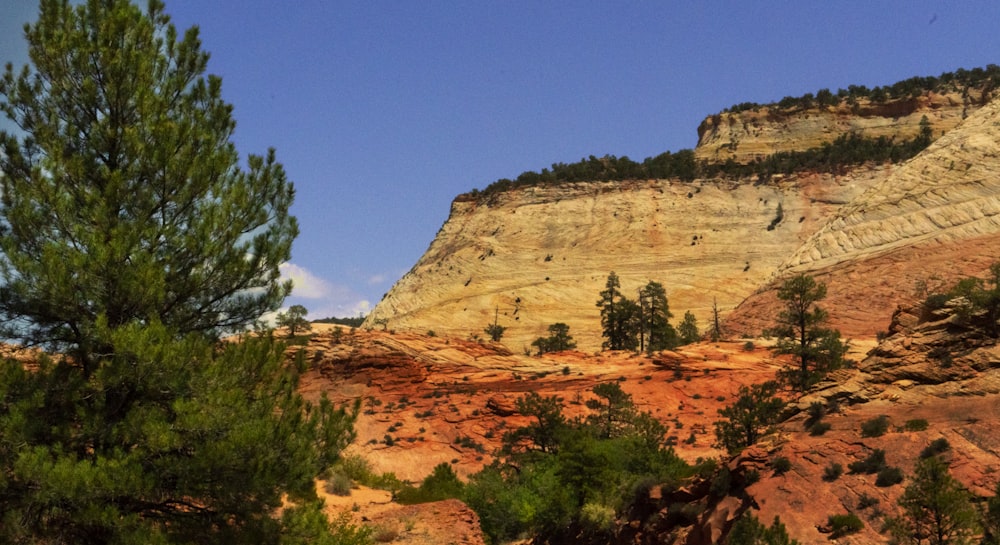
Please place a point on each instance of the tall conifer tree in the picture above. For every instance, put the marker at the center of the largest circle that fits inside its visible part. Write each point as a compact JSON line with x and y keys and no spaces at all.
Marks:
{"x":131,"y":240}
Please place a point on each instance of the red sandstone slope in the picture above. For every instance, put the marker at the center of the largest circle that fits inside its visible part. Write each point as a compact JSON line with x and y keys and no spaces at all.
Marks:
{"x":448,"y":400}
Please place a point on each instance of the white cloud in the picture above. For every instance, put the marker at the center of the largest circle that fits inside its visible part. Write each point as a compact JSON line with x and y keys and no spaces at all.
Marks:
{"x":304,"y":283}
{"x":376,"y":279}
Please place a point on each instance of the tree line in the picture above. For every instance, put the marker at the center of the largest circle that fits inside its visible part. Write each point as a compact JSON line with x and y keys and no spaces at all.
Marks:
{"x":986,"y":79}
{"x":845,"y":151}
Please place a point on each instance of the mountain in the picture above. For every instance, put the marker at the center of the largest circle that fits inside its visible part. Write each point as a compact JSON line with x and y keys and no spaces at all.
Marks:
{"x":535,"y":255}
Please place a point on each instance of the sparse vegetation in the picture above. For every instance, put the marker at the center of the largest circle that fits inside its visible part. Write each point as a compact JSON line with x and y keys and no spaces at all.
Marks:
{"x":875,"y":427}
{"x":916,"y":424}
{"x":889,"y":476}
{"x":832,"y":472}
{"x":842,"y":525}
{"x":873,"y":463}
{"x":781,"y":465}
{"x":749,"y":531}
{"x":843,"y":152}
{"x":936,"y":447}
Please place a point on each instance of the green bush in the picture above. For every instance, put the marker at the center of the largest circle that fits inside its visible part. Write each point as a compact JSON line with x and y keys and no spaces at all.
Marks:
{"x":842,"y":525}
{"x":916,"y":424}
{"x":338,"y":484}
{"x":874,"y":463}
{"x":815,"y":412}
{"x":876,"y":427}
{"x":781,"y":465}
{"x":441,"y":484}
{"x":819,"y":428}
{"x":937,"y":446}
{"x":832,"y":472}
{"x":865,"y":501}
{"x":889,"y":476}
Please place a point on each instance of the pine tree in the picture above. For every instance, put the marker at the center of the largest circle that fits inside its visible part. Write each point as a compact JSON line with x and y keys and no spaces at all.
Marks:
{"x":656,"y":317}
{"x":124,"y":200}
{"x":132,"y":240}
{"x":688,"y":329}
{"x":294,"y":319}
{"x":619,"y":317}
{"x":936,"y":509}
{"x":801,"y":333}
{"x":752,"y":415}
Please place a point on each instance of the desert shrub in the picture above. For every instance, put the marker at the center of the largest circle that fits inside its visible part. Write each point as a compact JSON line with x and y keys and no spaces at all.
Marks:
{"x":874,"y":463}
{"x":385,"y":534}
{"x":441,"y":484}
{"x":832,"y":472}
{"x":749,"y":531}
{"x":935,"y":447}
{"x":865,"y":501}
{"x":748,"y":346}
{"x":876,"y":427}
{"x":338,"y":484}
{"x":916,"y":424}
{"x":781,"y":465}
{"x":815,"y":412}
{"x":889,"y":476}
{"x":841,"y":525}
{"x":819,"y":428}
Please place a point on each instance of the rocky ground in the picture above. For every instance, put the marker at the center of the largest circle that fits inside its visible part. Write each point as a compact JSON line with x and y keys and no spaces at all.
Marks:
{"x":428,"y":400}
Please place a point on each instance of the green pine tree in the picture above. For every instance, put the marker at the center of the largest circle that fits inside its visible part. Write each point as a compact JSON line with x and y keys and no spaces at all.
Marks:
{"x":801,"y":334}
{"x":936,"y":508}
{"x":132,"y":240}
{"x":656,"y":316}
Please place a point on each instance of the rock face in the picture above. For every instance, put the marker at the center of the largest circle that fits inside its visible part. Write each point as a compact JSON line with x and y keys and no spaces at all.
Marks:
{"x":537,"y":256}
{"x":932,"y":219}
{"x":749,"y":135}
{"x":534,"y":256}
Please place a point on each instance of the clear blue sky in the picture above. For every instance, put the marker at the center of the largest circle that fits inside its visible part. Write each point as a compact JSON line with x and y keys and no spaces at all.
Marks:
{"x":383,"y":111}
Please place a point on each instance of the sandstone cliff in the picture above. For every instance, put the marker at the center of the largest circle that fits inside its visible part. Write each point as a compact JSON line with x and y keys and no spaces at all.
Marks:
{"x":541,"y":255}
{"x":534,"y":256}
{"x":753,"y":134}
{"x":933,"y":219}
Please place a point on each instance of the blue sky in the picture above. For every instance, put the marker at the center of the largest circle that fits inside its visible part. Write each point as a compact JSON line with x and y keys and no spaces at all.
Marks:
{"x":382,"y":112}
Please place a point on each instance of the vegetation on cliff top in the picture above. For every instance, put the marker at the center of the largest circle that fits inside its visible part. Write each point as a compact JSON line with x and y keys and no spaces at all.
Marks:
{"x":845,"y":151}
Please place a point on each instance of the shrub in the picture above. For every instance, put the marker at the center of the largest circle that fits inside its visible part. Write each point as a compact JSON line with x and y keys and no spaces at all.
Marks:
{"x":781,"y":465}
{"x":841,"y":525}
{"x":832,"y":472}
{"x":441,"y":484}
{"x":935,"y":447}
{"x":748,"y":346}
{"x":876,"y":427}
{"x":819,"y":428}
{"x":916,"y":424}
{"x":889,"y":476}
{"x":721,"y":483}
{"x":597,"y":517}
{"x":338,"y":484}
{"x":816,"y":412}
{"x":385,"y":534}
{"x":865,"y":501}
{"x":874,"y":463}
